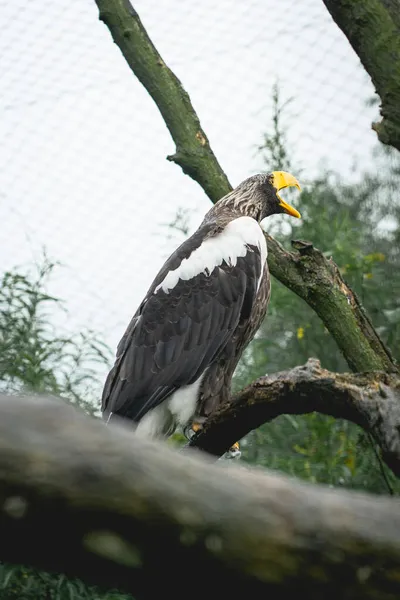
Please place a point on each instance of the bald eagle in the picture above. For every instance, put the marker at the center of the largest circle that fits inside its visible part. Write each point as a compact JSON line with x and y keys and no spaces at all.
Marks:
{"x":176,"y":359}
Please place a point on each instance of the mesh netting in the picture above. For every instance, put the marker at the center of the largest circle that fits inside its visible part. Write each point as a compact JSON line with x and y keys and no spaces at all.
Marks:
{"x":83,"y":170}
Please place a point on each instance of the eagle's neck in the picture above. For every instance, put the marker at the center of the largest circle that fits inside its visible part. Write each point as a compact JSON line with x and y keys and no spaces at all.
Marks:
{"x":234,"y":205}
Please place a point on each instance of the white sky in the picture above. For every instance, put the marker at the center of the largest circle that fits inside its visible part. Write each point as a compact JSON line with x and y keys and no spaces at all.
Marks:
{"x":83,"y":147}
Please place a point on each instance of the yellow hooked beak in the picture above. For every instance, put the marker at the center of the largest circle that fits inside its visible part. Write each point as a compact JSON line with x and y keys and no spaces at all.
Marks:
{"x":280,"y":180}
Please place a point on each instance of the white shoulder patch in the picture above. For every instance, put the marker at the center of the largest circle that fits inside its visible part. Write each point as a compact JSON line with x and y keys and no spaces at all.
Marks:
{"x":227,"y":246}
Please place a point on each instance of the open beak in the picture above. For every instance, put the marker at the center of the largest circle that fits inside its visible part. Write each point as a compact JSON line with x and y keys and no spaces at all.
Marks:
{"x":281,"y":180}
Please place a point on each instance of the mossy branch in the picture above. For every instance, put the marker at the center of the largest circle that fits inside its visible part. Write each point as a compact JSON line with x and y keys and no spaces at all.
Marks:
{"x":95,"y":502}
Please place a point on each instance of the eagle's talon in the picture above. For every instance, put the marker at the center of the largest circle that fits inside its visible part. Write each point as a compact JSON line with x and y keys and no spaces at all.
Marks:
{"x":191,"y":430}
{"x":233,"y":452}
{"x":233,"y":455}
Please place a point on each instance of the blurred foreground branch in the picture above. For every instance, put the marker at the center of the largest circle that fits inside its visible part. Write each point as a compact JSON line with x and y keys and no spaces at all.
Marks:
{"x":93,"y":501}
{"x":309,"y":274}
{"x":371,"y":400}
{"x":373,"y":29}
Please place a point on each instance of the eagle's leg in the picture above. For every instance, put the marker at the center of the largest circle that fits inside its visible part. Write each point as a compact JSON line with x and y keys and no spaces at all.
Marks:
{"x":195,"y":426}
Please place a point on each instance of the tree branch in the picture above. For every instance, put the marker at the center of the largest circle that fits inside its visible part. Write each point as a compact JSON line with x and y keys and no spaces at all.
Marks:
{"x":193,"y":151}
{"x":371,"y":400}
{"x":138,"y":516}
{"x":308,"y":274}
{"x":373,"y":29}
{"x":318,"y":281}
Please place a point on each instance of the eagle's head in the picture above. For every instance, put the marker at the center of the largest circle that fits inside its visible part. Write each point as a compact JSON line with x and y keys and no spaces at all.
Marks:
{"x":258,"y":196}
{"x":272,"y":202}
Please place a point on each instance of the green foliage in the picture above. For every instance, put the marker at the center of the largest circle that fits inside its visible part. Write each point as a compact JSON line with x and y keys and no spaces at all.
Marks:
{"x":357,"y":225}
{"x":34,"y":357}
{"x":318,"y":449}
{"x":20,"y":583}
{"x":275,"y":143}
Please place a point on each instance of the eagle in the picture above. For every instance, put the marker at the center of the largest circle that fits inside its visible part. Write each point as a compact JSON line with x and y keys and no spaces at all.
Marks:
{"x":175,"y":361}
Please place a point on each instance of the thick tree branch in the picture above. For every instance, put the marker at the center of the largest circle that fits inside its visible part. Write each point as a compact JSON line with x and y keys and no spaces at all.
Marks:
{"x":308,"y":274}
{"x":93,"y":501}
{"x":371,"y":400}
{"x":373,"y":29}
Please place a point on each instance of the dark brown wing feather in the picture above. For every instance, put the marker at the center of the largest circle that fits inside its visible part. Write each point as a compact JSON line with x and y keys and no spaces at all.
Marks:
{"x":175,"y":336}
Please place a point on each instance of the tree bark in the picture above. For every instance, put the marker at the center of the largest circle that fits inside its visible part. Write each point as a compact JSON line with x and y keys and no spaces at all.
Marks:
{"x":308,"y":274}
{"x":371,"y":400}
{"x":373,"y":29}
{"x":92,"y":501}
